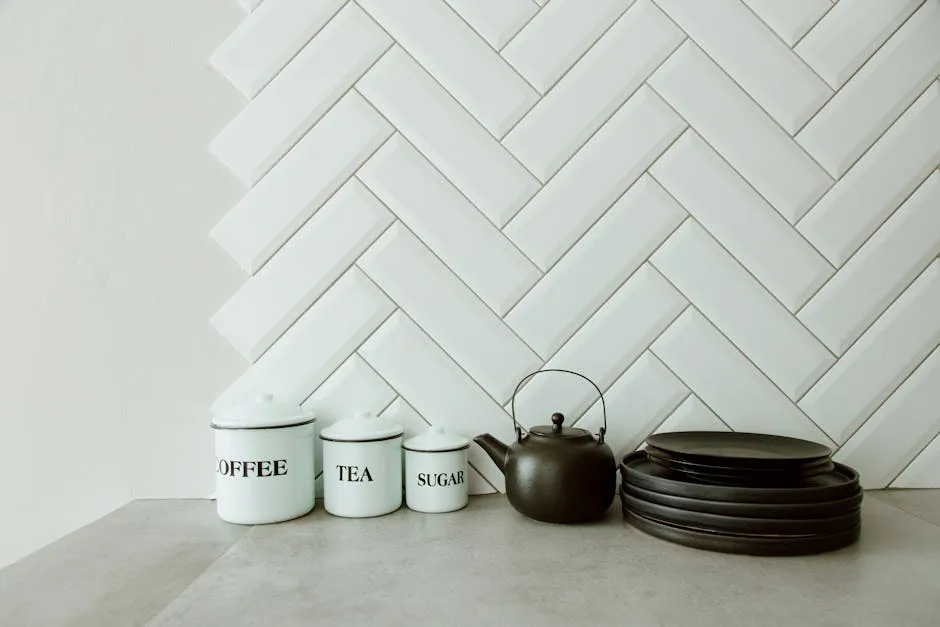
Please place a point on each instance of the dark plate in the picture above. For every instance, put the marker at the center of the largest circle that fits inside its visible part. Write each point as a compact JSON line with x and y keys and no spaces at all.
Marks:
{"x":735,"y":448}
{"x":824,"y":464}
{"x":736,"y":524}
{"x":748,"y":477}
{"x":752,"y":510}
{"x":638,"y":469}
{"x":726,"y":543}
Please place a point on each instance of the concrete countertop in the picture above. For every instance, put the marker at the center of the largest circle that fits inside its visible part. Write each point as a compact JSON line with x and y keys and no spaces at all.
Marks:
{"x":176,"y":563}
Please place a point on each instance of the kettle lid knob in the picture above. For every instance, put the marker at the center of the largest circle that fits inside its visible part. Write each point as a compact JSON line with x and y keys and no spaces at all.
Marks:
{"x":557,"y":419}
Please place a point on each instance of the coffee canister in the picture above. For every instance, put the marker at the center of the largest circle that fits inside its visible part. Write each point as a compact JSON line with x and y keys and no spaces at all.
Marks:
{"x":436,"y":471}
{"x":362,"y":466}
{"x":264,"y":461}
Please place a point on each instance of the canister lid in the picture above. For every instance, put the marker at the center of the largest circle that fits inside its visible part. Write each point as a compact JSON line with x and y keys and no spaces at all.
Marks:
{"x":261,"y":412}
{"x":362,"y":427}
{"x":436,"y":440}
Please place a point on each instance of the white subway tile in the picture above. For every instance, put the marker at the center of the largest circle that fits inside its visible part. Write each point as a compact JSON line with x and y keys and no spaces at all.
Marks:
{"x":496,"y":20}
{"x":588,"y":184}
{"x":431,"y":382}
{"x":253,"y":318}
{"x":552,"y":42}
{"x":449,"y":224}
{"x":595,"y":267}
{"x":860,"y":201}
{"x":445,"y":307}
{"x":322,"y":339}
{"x":458,"y":58}
{"x":924,"y":471}
{"x":790,"y":19}
{"x":874,"y":98}
{"x":722,"y":377}
{"x":882,"y":357}
{"x":448,"y":136}
{"x":297,"y":97}
{"x":612,"y":70}
{"x":896,"y":433}
{"x":268,"y":39}
{"x":603,"y":347}
{"x":848,"y":35}
{"x":865,"y":286}
{"x":740,"y":131}
{"x":734,"y":214}
{"x":692,"y":415}
{"x":758,"y":61}
{"x":637,"y":403}
{"x":742,"y":309}
{"x":301,"y":182}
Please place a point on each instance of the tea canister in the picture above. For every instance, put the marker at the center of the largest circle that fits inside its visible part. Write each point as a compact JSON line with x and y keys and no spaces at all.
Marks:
{"x":362,"y":466}
{"x":436,"y":471}
{"x":264,"y":461}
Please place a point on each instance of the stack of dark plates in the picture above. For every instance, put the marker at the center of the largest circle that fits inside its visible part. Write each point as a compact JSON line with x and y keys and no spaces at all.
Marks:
{"x":748,"y":493}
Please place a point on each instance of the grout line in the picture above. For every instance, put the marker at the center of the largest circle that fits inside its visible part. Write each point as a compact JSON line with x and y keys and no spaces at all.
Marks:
{"x":448,"y":181}
{"x":748,"y":359}
{"x":606,"y":210}
{"x":454,"y":98}
{"x":355,"y":350}
{"x":343,"y":273}
{"x":521,"y":28}
{"x":322,"y":204}
{"x":474,"y":382}
{"x":688,"y":387}
{"x":590,"y":47}
{"x":600,"y":126}
{"x":493,"y":48}
{"x":750,"y":98}
{"x":456,"y":276}
{"x":868,"y":58}
{"x":249,"y":15}
{"x":893,"y":391}
{"x":324,"y":114}
{"x":622,"y":371}
{"x":791,"y":225}
{"x":874,"y":143}
{"x":859,"y":250}
{"x":866,"y":330}
{"x":789,"y":48}
{"x":748,"y":271}
{"x":460,"y":105}
{"x":912,"y":460}
{"x":613,"y":293}
{"x":808,"y":31}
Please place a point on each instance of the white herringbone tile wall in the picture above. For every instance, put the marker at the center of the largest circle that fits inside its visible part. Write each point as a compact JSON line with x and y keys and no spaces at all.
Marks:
{"x":726,"y":213}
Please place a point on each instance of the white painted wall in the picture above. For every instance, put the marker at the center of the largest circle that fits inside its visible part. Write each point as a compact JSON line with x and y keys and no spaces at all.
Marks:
{"x":107,"y":194}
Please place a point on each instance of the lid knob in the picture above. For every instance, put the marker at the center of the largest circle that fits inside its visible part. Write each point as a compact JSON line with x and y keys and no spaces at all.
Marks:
{"x":265,"y":397}
{"x":436,"y":429}
{"x":557,"y":419}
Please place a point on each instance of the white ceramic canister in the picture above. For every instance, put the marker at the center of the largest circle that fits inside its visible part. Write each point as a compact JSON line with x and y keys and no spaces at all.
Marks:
{"x":264,"y":461}
{"x":362,"y":466}
{"x":436,"y":471}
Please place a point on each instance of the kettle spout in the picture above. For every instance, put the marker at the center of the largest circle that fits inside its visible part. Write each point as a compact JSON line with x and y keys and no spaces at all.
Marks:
{"x":494,"y":448}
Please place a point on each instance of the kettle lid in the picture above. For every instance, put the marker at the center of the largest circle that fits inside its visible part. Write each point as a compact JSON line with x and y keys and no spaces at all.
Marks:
{"x":557,"y":429}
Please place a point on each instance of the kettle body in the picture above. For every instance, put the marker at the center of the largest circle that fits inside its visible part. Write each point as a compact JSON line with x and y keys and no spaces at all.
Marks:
{"x":556,"y":474}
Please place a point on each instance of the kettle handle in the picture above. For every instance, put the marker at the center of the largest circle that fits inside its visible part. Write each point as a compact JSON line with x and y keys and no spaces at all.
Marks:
{"x":518,"y":428}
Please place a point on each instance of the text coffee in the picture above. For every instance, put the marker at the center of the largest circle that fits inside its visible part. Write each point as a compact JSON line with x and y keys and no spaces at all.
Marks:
{"x":245,"y":468}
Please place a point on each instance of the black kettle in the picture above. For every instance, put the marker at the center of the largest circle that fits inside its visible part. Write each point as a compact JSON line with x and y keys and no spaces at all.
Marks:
{"x":554,"y":473}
